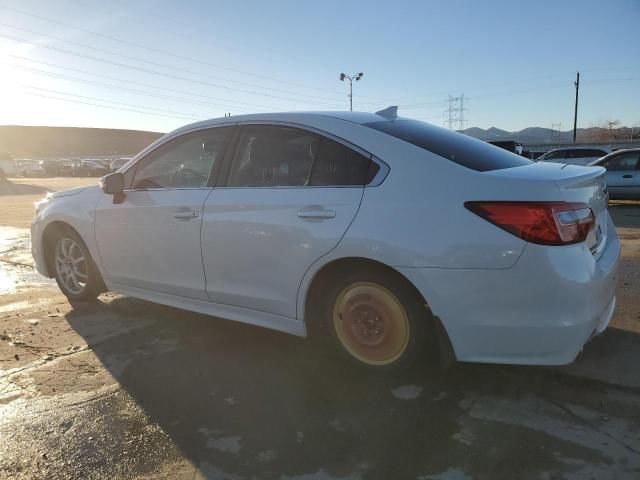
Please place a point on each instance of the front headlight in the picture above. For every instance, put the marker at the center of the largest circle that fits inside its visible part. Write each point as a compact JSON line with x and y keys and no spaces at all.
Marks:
{"x":42,"y":202}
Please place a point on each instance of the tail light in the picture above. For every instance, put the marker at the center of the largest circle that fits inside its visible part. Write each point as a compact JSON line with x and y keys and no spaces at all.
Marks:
{"x":546,"y":223}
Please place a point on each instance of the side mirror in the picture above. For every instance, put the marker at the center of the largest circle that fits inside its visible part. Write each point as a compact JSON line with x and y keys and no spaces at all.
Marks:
{"x":112,"y":184}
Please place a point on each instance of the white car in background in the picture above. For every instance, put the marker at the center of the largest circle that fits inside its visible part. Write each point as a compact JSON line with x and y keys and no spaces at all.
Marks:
{"x":117,"y":163}
{"x":389,"y":235}
{"x":31,"y":168}
{"x":623,"y":173}
{"x":572,"y":156}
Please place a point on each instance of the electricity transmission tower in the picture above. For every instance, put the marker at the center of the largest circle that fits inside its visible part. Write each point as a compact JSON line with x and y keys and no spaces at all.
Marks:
{"x":455,"y":111}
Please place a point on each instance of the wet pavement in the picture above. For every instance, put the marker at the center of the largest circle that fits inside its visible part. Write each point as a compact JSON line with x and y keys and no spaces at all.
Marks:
{"x":128,"y":389}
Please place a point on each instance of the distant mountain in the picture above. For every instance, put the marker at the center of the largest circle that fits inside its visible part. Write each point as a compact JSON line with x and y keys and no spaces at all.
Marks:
{"x":540,"y":135}
{"x":34,"y":142}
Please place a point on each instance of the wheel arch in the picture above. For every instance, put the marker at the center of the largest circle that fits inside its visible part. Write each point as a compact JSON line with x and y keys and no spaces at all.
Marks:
{"x":48,"y":235}
{"x":323,"y":272}
{"x":315,"y":278}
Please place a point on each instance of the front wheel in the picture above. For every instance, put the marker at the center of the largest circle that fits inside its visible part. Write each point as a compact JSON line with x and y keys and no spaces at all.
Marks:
{"x":377,"y":320}
{"x":75,"y":272}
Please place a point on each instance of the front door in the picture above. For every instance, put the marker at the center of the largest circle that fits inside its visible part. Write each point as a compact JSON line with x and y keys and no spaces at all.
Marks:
{"x":152,"y":239}
{"x":622,"y":174}
{"x":290,"y":196}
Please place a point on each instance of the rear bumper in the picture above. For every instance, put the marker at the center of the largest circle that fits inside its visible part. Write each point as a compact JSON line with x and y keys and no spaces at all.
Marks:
{"x":540,"y":312}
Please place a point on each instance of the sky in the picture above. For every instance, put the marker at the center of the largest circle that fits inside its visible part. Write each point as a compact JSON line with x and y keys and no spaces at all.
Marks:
{"x":159,"y":64}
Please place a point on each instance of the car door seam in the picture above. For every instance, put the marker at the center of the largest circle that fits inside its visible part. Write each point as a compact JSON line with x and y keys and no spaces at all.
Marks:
{"x":328,"y":252}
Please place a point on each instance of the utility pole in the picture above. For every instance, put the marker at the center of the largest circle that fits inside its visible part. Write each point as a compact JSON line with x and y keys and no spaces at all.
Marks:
{"x":575,"y":113}
{"x":351,"y":79}
{"x":556,"y":135}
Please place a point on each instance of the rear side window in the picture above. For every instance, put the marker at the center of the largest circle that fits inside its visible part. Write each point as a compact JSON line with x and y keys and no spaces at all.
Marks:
{"x":270,"y":156}
{"x":275,"y":156}
{"x":456,"y":147}
{"x":341,"y":166}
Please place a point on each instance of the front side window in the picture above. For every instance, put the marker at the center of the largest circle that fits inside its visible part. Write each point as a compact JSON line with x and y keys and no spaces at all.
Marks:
{"x":185,"y":162}
{"x":274,"y":156}
{"x":622,"y":162}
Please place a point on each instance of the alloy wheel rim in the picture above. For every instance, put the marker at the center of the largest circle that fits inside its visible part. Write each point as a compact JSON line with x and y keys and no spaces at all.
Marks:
{"x":371,"y":323}
{"x":71,"y":266}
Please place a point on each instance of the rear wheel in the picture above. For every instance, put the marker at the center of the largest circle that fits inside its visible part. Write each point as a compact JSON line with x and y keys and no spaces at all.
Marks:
{"x":73,"y":267}
{"x":376,"y":320}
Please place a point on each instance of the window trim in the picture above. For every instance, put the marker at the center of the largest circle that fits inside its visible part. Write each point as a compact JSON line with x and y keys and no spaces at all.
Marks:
{"x":225,"y":174}
{"x":152,"y":149}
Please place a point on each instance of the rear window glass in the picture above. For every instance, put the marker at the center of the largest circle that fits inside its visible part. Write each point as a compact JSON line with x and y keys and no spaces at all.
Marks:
{"x":457,"y":147}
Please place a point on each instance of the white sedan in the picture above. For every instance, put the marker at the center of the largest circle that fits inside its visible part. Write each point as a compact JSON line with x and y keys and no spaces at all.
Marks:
{"x":623,"y":173}
{"x":388,"y":236}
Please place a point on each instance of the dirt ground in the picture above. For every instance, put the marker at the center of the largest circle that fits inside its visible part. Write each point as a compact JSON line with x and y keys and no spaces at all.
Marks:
{"x":126,"y":389}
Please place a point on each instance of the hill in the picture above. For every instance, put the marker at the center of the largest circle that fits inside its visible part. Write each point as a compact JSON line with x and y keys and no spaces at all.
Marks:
{"x":540,"y":135}
{"x":44,"y":142}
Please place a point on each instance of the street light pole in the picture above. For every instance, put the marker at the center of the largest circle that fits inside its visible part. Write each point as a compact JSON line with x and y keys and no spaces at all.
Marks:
{"x":351,"y":78}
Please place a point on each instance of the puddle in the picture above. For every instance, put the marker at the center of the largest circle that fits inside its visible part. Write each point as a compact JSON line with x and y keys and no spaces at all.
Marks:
{"x":407,"y":392}
{"x":12,"y":307}
{"x":16,"y":262}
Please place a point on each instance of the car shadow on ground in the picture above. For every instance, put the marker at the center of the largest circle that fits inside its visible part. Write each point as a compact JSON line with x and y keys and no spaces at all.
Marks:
{"x":238,"y":399}
{"x":625,"y":213}
{"x":9,"y":188}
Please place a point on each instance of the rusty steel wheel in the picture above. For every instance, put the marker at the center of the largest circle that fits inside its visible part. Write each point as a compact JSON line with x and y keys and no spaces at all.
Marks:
{"x":371,"y":323}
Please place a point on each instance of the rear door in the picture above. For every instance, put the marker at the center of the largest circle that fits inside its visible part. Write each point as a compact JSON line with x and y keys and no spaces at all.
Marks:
{"x":151,"y":240}
{"x":622,"y":177}
{"x":289,"y":197}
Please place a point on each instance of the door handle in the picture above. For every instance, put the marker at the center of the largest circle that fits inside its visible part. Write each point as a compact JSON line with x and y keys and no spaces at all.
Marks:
{"x":186,"y":215}
{"x":627,"y":176}
{"x":317,"y":214}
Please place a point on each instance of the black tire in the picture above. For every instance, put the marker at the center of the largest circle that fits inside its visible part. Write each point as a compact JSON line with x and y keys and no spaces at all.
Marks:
{"x":93,"y":286}
{"x":346,"y":319}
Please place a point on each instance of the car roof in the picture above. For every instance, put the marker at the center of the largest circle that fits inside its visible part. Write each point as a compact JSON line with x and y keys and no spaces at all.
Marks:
{"x":577,"y":148}
{"x":614,"y":153}
{"x":354,"y":117}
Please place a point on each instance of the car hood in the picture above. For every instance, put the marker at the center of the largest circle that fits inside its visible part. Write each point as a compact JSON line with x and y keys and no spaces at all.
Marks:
{"x":70,"y":192}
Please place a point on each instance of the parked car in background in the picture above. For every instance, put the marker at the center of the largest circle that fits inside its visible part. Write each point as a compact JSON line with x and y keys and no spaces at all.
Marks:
{"x":389,"y":235}
{"x":7,"y":166}
{"x":572,"y":156}
{"x":509,"y":145}
{"x":65,"y":167}
{"x":90,"y":168}
{"x":623,"y":173}
{"x":31,"y":168}
{"x":118,"y":162}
